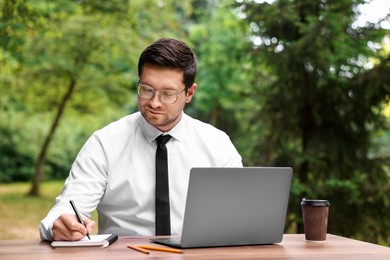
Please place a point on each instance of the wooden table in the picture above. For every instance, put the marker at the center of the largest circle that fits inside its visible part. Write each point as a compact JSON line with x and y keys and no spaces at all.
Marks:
{"x":293,"y":246}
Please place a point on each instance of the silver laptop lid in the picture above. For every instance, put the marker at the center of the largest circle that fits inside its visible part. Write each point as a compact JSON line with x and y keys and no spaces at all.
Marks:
{"x":236,"y":206}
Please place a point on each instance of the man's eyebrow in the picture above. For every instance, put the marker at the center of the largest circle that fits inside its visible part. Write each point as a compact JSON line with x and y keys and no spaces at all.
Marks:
{"x":143,"y":82}
{"x":163,"y":88}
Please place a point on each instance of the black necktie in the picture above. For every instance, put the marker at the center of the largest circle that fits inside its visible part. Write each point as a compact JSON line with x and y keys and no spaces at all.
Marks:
{"x":163,"y":219}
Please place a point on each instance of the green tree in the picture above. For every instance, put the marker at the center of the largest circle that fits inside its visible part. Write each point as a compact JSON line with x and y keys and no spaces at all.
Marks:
{"x":74,"y":55}
{"x":323,"y":108}
{"x":225,"y":74}
{"x":76,"y":58}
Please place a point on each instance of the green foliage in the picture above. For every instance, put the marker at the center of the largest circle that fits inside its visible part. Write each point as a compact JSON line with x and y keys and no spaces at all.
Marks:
{"x":225,"y":69}
{"x":21,"y":137}
{"x":293,"y":83}
{"x":15,"y":165}
{"x":324,"y":107}
{"x":48,"y":46}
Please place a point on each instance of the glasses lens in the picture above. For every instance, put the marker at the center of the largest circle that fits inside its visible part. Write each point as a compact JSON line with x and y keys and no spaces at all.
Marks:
{"x":145,"y":92}
{"x":169,"y":96}
{"x":166,"y":96}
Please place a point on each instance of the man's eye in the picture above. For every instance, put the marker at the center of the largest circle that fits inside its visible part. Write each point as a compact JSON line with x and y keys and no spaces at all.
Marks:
{"x":169,"y":93}
{"x":146,"y":90}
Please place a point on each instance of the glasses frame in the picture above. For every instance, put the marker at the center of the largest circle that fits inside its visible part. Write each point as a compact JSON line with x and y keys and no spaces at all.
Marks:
{"x":161,"y":93}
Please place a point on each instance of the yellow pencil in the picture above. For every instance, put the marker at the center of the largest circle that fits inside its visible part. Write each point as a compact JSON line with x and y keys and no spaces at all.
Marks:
{"x":164,"y":249}
{"x":137,"y":248}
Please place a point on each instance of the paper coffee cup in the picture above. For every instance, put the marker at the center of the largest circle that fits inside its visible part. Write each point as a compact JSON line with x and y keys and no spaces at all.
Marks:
{"x":315,"y":218}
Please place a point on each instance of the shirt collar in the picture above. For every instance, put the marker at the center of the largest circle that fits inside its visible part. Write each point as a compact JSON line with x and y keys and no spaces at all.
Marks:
{"x":151,"y":132}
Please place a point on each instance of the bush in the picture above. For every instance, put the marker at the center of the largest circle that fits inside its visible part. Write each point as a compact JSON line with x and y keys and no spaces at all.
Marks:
{"x":15,"y":165}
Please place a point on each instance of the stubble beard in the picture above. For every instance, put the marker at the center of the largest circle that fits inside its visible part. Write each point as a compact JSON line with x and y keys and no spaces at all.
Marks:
{"x":163,"y":121}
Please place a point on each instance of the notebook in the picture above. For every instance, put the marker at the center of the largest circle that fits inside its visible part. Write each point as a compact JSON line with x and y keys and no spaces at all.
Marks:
{"x":104,"y":240}
{"x":234,"y":206}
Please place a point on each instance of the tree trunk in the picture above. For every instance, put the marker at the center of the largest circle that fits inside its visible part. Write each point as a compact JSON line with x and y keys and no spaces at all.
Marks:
{"x":214,"y":116}
{"x":307,"y":122}
{"x":36,"y":182}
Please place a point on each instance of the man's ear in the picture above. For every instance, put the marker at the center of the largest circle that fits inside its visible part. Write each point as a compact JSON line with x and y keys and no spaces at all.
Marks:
{"x":190,"y":93}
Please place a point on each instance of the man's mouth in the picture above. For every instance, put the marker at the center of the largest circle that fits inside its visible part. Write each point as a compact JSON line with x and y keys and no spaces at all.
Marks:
{"x":154,"y":112}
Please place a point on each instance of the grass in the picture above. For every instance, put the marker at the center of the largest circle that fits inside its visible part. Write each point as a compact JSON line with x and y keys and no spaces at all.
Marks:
{"x":20,"y":214}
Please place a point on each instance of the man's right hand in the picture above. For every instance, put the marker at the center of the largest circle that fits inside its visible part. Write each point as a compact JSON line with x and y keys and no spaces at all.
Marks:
{"x":67,"y":227}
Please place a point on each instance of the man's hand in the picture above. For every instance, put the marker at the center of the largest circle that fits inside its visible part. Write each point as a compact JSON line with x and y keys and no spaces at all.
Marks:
{"x":67,"y":227}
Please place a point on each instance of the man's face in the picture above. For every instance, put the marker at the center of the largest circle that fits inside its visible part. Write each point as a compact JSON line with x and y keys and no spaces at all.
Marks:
{"x":163,"y":116}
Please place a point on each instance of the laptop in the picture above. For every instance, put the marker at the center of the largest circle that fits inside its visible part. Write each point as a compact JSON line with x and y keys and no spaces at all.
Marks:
{"x":234,"y":206}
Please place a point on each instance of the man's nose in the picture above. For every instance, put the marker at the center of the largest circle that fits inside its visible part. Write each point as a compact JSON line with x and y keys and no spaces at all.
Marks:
{"x":155,"y":101}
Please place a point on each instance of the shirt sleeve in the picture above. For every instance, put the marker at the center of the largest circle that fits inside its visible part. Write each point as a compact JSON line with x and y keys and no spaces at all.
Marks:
{"x":230,"y":156}
{"x":85,"y":185}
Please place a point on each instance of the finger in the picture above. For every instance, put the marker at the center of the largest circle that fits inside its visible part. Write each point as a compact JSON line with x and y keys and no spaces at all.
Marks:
{"x":67,"y":235}
{"x":71,"y":222}
{"x":61,"y":231}
{"x":67,"y":227}
{"x":58,"y":230}
{"x":89,"y":224}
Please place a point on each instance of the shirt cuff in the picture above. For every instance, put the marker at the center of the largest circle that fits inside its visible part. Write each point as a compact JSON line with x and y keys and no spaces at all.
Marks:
{"x":46,"y":233}
{"x":46,"y":225}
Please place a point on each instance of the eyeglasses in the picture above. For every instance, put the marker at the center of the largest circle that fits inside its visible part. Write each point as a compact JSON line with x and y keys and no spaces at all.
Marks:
{"x":166,"y":96}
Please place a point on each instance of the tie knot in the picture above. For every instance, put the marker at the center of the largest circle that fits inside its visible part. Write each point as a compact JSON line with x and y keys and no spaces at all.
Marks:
{"x":163,"y":139}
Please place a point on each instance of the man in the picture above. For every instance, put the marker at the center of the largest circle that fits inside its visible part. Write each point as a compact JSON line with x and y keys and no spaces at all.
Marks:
{"x":115,"y":170}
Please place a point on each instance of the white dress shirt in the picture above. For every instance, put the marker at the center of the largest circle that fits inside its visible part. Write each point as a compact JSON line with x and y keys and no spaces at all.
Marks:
{"x":115,"y":173}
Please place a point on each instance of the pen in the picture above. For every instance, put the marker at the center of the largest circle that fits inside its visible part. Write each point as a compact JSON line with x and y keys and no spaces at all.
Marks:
{"x":78,"y":215}
{"x":137,"y":248}
{"x":164,"y":249}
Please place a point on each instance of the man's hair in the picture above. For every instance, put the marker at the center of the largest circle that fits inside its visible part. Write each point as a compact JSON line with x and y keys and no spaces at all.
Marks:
{"x":171,"y":53}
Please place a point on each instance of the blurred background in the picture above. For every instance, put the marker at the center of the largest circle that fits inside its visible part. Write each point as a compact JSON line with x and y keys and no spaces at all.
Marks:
{"x":297,"y":83}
